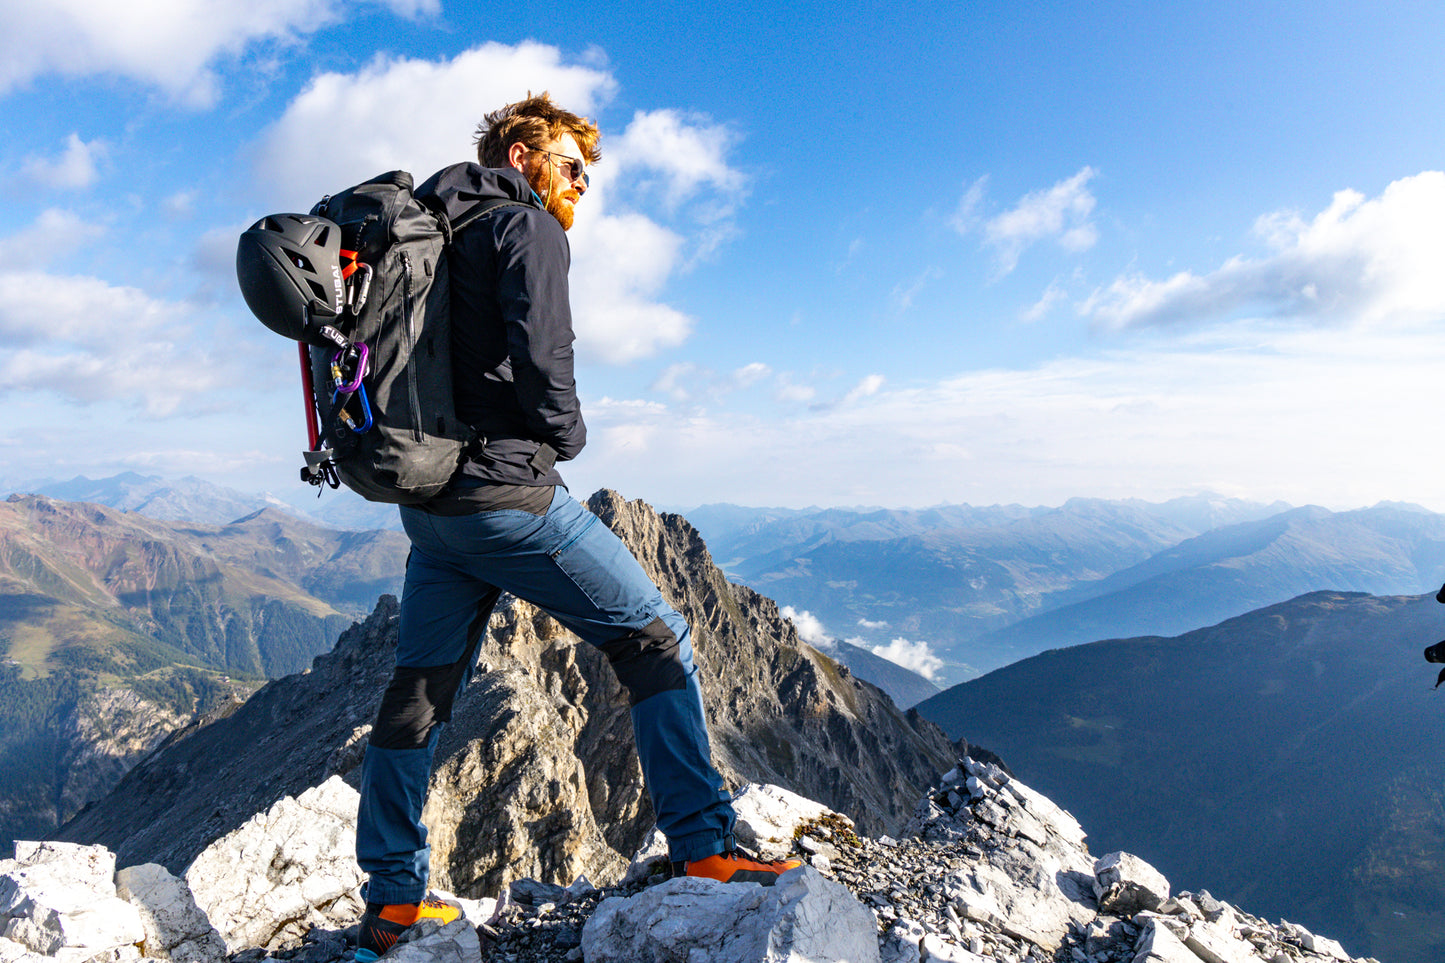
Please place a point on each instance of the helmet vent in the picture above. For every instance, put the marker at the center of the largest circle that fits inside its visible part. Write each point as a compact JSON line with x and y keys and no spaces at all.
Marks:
{"x":321,"y":293}
{"x":320,"y":239}
{"x":301,"y":261}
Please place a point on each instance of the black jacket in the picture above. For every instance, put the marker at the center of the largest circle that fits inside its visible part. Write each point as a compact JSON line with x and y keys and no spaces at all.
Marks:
{"x":511,"y":327}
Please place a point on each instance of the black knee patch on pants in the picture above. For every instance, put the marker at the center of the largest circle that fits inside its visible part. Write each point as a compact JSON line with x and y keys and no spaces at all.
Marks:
{"x":419,"y":698}
{"x":647,"y":661}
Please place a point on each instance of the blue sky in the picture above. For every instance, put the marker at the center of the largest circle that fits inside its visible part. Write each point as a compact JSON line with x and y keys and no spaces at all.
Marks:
{"x":889,"y":255}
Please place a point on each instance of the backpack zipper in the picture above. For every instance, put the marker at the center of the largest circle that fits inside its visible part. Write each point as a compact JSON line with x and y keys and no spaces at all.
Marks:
{"x":406,"y":313}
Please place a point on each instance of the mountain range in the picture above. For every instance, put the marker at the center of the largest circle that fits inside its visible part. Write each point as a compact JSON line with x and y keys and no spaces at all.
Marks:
{"x":191,"y":499}
{"x":986,"y":587}
{"x":1289,"y":757}
{"x":118,"y":627}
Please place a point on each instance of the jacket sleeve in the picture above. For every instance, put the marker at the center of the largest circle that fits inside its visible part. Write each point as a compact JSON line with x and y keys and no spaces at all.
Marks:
{"x":532,"y":266}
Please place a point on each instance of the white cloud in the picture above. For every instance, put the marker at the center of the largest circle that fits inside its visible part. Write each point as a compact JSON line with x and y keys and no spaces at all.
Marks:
{"x":169,"y":44}
{"x":89,"y":341}
{"x":872,"y":625}
{"x":74,"y":169}
{"x":55,"y":234}
{"x":1360,"y":261}
{"x":1342,"y":418}
{"x":869,"y":386}
{"x":750,"y":374}
{"x":677,"y":381}
{"x":396,"y":120}
{"x":686,"y":153}
{"x":686,"y":381}
{"x":622,"y":258}
{"x":915,"y":656}
{"x":810,"y":629}
{"x":1061,"y":213}
{"x":965,"y":216}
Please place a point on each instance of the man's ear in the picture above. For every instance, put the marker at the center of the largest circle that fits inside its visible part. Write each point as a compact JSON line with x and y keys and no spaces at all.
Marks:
{"x":515,"y":153}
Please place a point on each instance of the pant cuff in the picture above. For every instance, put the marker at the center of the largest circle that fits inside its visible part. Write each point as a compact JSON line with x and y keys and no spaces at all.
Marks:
{"x":697,"y":846}
{"x":387,"y":894}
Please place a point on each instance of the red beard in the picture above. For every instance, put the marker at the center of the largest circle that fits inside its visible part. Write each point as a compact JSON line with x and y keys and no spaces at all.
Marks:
{"x":556,"y":193}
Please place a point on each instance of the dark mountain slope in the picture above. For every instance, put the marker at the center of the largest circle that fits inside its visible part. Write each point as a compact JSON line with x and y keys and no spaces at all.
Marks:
{"x":1286,"y":757}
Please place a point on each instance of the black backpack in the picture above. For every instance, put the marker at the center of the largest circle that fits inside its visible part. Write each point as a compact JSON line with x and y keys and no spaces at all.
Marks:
{"x":376,"y":357}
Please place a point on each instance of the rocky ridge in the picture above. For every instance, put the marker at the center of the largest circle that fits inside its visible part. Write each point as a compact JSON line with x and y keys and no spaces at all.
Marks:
{"x":542,"y":735}
{"x":988,"y":872}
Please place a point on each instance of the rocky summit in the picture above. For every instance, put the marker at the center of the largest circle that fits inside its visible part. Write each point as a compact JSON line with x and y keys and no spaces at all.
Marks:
{"x":988,"y":871}
{"x":536,"y":775}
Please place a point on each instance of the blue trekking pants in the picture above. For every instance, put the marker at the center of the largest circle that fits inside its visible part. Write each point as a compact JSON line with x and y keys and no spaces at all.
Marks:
{"x":573,"y":567}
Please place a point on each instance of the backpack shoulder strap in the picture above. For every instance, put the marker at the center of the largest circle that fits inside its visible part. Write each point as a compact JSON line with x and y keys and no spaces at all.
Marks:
{"x":472,"y":214}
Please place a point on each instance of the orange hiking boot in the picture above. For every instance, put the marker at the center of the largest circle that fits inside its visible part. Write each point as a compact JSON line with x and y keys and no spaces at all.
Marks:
{"x":382,"y":925}
{"x":735,"y":867}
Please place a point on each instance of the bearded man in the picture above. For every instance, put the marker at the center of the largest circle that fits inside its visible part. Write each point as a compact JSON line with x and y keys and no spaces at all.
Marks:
{"x":507,"y":523}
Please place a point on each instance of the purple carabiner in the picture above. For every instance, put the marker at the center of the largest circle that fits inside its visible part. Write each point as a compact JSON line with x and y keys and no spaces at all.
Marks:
{"x":362,"y":352}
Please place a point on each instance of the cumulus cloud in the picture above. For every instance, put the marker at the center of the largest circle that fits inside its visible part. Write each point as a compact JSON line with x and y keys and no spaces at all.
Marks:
{"x":914,"y":656}
{"x":172,"y":45}
{"x":89,"y":341}
{"x":395,"y":120}
{"x":74,"y":169}
{"x":1370,"y":261}
{"x":865,"y":623}
{"x":681,"y":158}
{"x":624,"y":255}
{"x":1060,"y":213}
{"x":54,"y":235}
{"x":810,"y":629}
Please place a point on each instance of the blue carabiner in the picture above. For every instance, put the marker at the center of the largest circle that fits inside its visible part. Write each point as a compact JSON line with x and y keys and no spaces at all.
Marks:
{"x":345,"y":416}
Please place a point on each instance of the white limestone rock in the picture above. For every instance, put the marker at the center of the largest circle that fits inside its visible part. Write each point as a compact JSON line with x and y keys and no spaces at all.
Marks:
{"x":1036,"y":896}
{"x":1043,"y":809}
{"x":59,"y":899}
{"x":1158,"y":943}
{"x":903,"y":942}
{"x":803,"y":917}
{"x":1219,"y":942}
{"x":284,"y":871}
{"x":1319,"y":945}
{"x":431,"y":942}
{"x":92,"y":866}
{"x":176,"y":928}
{"x":768,"y":815}
{"x":1125,"y":884}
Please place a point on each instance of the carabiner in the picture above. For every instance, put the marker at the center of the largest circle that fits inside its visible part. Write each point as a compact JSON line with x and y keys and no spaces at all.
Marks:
{"x":345,"y":416}
{"x":338,"y":375}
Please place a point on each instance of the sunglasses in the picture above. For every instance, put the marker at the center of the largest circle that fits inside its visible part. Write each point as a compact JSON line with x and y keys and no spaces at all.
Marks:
{"x":570,"y":167}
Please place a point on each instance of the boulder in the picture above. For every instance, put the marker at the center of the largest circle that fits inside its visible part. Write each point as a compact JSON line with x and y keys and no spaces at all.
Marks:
{"x":803,"y":917}
{"x":431,"y":942}
{"x":284,"y":871}
{"x":175,"y":927}
{"x":769,"y":815}
{"x":59,"y":899}
{"x":1124,"y":884}
{"x":1218,"y":943}
{"x":1158,"y":943}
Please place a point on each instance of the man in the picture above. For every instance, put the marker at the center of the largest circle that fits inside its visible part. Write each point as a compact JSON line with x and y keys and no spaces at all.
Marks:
{"x":506,"y":523}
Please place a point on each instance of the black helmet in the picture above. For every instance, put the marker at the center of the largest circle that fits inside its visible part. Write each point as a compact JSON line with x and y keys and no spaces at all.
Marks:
{"x":289,"y":266}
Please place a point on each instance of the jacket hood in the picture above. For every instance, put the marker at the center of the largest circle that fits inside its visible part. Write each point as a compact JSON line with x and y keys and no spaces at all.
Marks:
{"x":458,"y":188}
